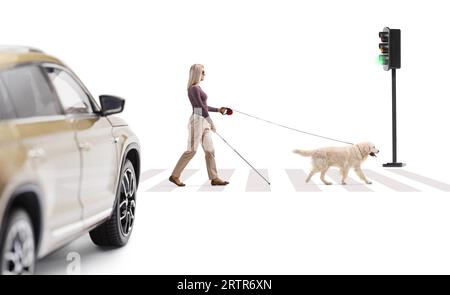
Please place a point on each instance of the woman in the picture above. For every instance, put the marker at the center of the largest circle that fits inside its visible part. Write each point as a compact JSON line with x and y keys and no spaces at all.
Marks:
{"x":200,"y":126}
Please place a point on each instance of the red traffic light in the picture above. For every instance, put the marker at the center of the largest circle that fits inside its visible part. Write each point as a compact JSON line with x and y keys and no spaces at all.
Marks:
{"x":384,"y":36}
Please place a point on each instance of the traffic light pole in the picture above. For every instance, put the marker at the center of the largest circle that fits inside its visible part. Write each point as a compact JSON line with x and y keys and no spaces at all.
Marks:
{"x":394,"y":123}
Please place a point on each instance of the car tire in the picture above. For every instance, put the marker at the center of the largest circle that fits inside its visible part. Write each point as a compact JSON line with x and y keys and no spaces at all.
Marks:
{"x":117,"y":229}
{"x":17,"y":245}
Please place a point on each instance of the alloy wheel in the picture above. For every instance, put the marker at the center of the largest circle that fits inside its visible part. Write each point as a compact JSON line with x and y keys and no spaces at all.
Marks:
{"x":127,"y":204}
{"x":19,"y":250}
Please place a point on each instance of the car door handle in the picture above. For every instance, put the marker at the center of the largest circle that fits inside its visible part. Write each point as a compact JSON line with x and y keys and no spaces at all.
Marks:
{"x":36,"y":153}
{"x":85,"y":146}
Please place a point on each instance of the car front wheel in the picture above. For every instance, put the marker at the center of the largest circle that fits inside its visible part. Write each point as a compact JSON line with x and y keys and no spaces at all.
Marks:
{"x":17,"y":245}
{"x":117,"y":229}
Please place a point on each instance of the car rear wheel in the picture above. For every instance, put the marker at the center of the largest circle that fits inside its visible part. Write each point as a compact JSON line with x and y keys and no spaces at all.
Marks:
{"x":117,"y":229}
{"x":18,"y":254}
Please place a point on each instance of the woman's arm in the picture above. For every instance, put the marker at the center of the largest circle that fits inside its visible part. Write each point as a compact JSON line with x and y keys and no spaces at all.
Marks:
{"x":212,"y":109}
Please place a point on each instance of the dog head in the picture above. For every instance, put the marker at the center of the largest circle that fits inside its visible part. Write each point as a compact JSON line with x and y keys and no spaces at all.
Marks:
{"x":367,"y":149}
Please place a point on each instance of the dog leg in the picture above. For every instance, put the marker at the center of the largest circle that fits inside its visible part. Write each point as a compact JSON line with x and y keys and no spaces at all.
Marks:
{"x":344,"y":173}
{"x":361,"y":175}
{"x":322,"y":176}
{"x":313,"y":171}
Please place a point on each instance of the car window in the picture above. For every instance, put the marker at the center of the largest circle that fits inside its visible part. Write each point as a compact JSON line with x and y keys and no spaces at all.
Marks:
{"x":73,"y":98}
{"x":6,"y":108}
{"x":29,"y":92}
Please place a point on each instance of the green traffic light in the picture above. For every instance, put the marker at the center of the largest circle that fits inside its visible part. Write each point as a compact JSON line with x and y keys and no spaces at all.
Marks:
{"x":383,"y":59}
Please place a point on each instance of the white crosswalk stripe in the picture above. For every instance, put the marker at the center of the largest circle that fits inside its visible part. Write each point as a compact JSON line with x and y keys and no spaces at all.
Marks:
{"x":389,"y":182}
{"x":288,"y":180}
{"x":150,"y":173}
{"x":297,"y":178}
{"x":352,"y":185}
{"x":255,"y":183}
{"x":166,"y":186}
{"x":422,"y":179}
{"x":226,"y":174}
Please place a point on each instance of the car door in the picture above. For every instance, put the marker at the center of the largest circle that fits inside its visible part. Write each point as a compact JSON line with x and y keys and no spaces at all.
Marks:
{"x":95,"y":141}
{"x":49,"y":139}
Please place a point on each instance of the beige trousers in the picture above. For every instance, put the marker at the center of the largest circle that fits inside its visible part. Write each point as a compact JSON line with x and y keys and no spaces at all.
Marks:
{"x":199,"y":131}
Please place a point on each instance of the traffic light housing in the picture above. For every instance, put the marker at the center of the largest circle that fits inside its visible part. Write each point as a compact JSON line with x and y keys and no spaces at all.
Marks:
{"x":390,"y":56}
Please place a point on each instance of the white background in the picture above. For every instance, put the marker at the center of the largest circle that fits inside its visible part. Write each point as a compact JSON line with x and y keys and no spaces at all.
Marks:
{"x":311,"y":65}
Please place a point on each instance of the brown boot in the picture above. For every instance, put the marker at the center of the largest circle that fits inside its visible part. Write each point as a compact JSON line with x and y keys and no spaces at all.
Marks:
{"x":176,"y":180}
{"x":218,"y":181}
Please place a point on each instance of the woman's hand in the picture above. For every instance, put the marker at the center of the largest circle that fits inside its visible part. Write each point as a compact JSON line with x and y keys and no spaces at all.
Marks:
{"x":213,"y":128}
{"x":225,"y":111}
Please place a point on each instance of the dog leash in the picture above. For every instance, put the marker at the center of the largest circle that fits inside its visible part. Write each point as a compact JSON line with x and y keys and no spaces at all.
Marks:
{"x":243,"y":158}
{"x":290,"y":128}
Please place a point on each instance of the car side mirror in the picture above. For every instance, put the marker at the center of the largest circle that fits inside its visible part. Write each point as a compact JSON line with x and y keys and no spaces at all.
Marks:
{"x":111,"y":104}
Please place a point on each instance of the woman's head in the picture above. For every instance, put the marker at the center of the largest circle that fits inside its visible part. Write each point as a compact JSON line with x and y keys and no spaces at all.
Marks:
{"x":196,"y":74}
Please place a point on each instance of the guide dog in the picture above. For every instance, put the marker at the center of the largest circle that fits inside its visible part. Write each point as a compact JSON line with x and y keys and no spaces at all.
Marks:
{"x":342,"y":157}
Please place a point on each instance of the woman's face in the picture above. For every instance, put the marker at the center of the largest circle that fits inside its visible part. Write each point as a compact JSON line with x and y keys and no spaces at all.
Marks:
{"x":202,"y":76}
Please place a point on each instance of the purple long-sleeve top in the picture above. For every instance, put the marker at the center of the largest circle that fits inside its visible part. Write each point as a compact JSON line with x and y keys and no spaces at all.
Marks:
{"x":198,"y":98}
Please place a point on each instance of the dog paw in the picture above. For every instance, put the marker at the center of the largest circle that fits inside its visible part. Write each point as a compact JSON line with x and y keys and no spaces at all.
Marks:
{"x":368,"y":182}
{"x":344,"y":183}
{"x":328,"y":183}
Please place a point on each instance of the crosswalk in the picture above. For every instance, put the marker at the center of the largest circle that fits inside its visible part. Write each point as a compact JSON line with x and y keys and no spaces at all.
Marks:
{"x":290,"y":180}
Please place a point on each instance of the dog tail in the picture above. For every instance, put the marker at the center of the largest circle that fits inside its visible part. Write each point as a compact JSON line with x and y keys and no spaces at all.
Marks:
{"x":303,"y":153}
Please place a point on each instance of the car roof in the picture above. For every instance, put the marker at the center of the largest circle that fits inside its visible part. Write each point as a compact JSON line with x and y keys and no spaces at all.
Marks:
{"x":16,"y":55}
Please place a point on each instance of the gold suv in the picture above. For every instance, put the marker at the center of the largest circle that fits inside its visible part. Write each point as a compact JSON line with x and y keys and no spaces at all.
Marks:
{"x":67,"y":166}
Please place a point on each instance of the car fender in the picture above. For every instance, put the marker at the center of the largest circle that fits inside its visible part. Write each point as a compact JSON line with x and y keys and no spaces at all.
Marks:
{"x":19,"y":189}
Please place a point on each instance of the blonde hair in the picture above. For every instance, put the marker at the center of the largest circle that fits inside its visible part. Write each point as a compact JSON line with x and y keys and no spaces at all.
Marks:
{"x":195,"y":75}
